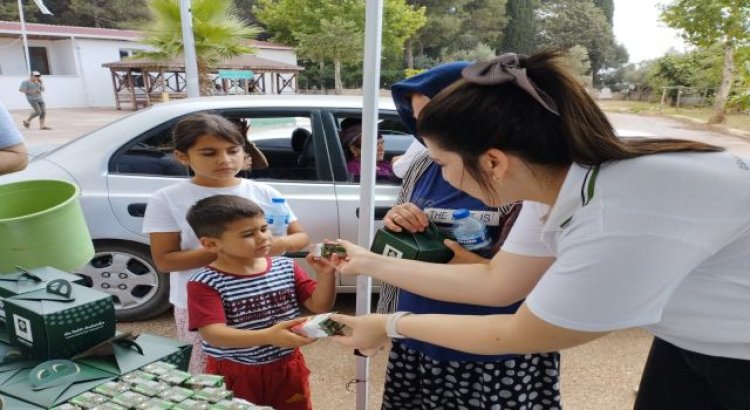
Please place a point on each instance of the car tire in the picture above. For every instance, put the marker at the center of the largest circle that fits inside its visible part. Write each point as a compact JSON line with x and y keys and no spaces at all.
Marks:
{"x":127,"y":272}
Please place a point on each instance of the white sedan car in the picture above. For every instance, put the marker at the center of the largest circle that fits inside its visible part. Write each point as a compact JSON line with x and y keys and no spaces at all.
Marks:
{"x":118,"y":167}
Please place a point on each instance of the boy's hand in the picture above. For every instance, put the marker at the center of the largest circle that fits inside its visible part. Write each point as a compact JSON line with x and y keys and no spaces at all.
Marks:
{"x":281,"y":335}
{"x":322,"y":268}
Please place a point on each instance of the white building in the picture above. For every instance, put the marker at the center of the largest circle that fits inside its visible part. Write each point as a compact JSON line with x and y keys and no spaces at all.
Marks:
{"x":71,"y":58}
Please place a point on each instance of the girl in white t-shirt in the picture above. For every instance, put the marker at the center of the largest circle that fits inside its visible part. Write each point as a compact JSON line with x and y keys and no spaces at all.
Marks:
{"x":614,"y":233}
{"x":213,"y":149}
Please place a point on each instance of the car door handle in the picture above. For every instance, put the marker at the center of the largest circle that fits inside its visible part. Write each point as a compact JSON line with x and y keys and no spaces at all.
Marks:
{"x":137,"y":210}
{"x":380,"y":212}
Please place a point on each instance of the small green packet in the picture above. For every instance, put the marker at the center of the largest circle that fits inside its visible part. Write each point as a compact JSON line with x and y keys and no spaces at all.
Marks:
{"x":200,"y":381}
{"x":175,"y":377}
{"x":158,"y":368}
{"x":111,"y":388}
{"x":155,"y":403}
{"x":191,"y":404}
{"x":108,"y":406}
{"x":137,"y":377}
{"x":150,"y":388}
{"x":176,"y":394}
{"x":129,"y":399}
{"x":232,"y":405}
{"x":87,"y":400}
{"x":66,"y":406}
{"x":213,"y":394}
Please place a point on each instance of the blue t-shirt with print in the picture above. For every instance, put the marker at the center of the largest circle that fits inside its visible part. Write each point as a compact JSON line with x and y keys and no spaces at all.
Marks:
{"x":438,"y":200}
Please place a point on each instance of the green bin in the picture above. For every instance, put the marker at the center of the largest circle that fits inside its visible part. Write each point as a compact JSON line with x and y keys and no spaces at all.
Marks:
{"x":41,"y":224}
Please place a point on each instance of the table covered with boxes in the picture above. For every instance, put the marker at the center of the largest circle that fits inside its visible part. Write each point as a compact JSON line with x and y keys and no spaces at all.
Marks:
{"x":59,"y":349}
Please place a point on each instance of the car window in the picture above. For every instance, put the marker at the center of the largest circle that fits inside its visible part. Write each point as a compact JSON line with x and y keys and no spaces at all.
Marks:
{"x":288,"y":146}
{"x":396,"y":140}
{"x":151,"y":154}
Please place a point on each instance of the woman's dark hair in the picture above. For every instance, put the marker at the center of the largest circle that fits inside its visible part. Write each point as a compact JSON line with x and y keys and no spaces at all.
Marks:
{"x":469,"y":119}
{"x":187,"y":131}
{"x":210,"y":216}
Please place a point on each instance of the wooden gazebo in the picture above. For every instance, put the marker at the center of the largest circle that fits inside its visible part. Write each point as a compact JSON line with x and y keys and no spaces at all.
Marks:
{"x":142,"y":82}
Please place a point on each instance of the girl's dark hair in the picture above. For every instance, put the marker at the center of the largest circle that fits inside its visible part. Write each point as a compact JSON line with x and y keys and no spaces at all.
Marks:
{"x":469,"y":119}
{"x":187,"y":131}
{"x":210,"y":216}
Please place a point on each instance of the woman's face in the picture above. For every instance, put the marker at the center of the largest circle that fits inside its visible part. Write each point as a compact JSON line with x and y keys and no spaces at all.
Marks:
{"x":453,"y":171}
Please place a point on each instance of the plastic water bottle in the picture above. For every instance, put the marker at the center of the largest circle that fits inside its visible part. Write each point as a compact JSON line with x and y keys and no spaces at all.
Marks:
{"x":278,"y":217}
{"x":469,"y":232}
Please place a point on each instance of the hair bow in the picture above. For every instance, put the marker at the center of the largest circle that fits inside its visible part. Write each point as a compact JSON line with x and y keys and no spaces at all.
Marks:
{"x":507,"y":68}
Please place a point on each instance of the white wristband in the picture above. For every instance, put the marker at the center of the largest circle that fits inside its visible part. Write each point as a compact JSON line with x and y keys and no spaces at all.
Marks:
{"x":390,"y":325}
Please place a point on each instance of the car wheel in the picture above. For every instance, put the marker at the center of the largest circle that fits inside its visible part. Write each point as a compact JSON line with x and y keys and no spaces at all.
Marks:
{"x":127,"y":272}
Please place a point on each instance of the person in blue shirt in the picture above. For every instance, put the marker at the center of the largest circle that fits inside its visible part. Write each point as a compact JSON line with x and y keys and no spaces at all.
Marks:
{"x":421,"y":375}
{"x":13,"y":155}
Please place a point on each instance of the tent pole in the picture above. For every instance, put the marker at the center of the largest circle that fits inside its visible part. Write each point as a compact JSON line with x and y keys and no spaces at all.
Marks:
{"x":371,"y":94}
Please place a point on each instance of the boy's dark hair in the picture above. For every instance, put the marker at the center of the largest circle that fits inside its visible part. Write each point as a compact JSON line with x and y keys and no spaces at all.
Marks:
{"x":210,"y":216}
{"x":192,"y":127}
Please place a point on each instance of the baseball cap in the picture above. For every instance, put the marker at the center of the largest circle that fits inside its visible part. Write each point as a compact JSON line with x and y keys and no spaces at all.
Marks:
{"x":35,"y":73}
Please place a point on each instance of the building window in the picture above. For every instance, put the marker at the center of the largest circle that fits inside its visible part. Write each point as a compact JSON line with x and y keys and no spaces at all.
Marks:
{"x":39,"y":60}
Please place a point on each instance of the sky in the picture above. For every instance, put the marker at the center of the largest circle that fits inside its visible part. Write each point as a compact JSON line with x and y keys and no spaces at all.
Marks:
{"x":638,"y":28}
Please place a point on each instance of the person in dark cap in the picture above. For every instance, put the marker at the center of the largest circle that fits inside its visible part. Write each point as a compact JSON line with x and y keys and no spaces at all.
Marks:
{"x":351,"y":142}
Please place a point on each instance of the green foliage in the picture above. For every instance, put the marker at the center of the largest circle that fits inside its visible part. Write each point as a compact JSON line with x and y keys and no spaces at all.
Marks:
{"x":338,"y":39}
{"x":707,"y":22}
{"x":697,"y":69}
{"x":607,"y":7}
{"x":480,"y":52}
{"x":567,"y":23}
{"x":577,"y":61}
{"x":518,"y":36}
{"x":218,"y":31}
{"x":87,"y":13}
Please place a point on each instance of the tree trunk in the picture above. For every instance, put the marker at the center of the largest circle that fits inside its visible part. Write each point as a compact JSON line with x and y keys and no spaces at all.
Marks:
{"x":727,"y":77}
{"x":205,"y":85}
{"x":322,"y":65}
{"x":337,"y":76}
{"x":409,"y":54}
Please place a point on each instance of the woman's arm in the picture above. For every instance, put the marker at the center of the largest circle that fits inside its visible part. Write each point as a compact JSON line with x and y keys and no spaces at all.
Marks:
{"x":507,"y":279}
{"x":519,"y":333}
{"x":296,"y":239}
{"x":168,"y":257}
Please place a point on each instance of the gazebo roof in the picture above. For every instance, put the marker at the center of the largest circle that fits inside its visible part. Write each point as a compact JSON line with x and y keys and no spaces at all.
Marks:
{"x":243,"y":62}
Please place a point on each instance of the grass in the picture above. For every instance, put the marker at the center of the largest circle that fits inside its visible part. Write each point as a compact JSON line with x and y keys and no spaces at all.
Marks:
{"x":735,"y":120}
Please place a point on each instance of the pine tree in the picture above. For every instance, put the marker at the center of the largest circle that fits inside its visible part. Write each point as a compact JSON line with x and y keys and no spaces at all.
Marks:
{"x":518,"y":36}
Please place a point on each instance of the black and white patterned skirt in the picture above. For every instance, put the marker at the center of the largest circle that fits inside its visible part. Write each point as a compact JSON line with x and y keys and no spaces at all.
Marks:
{"x":414,"y":381}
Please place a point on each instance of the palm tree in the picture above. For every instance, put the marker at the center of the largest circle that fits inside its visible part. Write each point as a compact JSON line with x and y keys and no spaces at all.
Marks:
{"x":218,"y":30}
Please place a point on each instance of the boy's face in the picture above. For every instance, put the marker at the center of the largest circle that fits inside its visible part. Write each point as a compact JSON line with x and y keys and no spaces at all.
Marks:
{"x":245,"y":238}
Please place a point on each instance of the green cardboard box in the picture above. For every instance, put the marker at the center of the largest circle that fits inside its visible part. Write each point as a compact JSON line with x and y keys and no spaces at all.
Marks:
{"x":12,"y":403}
{"x":180,"y":357}
{"x":424,"y":246}
{"x":30,"y":280}
{"x":125,"y":356}
{"x":58,"y":382}
{"x":61,"y":320}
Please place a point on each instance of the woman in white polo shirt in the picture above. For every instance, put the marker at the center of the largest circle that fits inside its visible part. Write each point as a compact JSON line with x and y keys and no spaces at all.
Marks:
{"x":614,"y":233}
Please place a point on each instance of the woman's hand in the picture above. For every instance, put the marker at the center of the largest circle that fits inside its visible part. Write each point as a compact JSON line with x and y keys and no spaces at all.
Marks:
{"x":366,"y":333}
{"x":355,"y":261}
{"x":463,"y":255}
{"x":406,"y":216}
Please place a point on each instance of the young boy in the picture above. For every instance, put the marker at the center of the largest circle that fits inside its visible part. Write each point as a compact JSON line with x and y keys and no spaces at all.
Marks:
{"x":245,"y":303}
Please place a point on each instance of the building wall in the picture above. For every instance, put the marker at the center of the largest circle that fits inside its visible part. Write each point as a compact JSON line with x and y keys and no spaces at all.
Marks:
{"x":77,"y":78}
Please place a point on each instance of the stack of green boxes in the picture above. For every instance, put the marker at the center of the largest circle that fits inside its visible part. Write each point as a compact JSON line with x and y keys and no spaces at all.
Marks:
{"x":59,"y":344}
{"x":160,"y":385}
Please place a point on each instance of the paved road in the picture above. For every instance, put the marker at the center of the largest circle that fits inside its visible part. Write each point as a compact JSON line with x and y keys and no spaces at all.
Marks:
{"x":599,"y":375}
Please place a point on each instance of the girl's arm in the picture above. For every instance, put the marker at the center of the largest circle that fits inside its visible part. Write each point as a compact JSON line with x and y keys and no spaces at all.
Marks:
{"x":506,"y":279}
{"x":324,"y":296}
{"x":296,"y":239}
{"x":168,"y":257}
{"x":519,"y":333}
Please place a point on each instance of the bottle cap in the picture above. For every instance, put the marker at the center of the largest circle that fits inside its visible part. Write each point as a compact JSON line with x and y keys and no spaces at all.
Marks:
{"x":278,"y":200}
{"x":460,"y":213}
